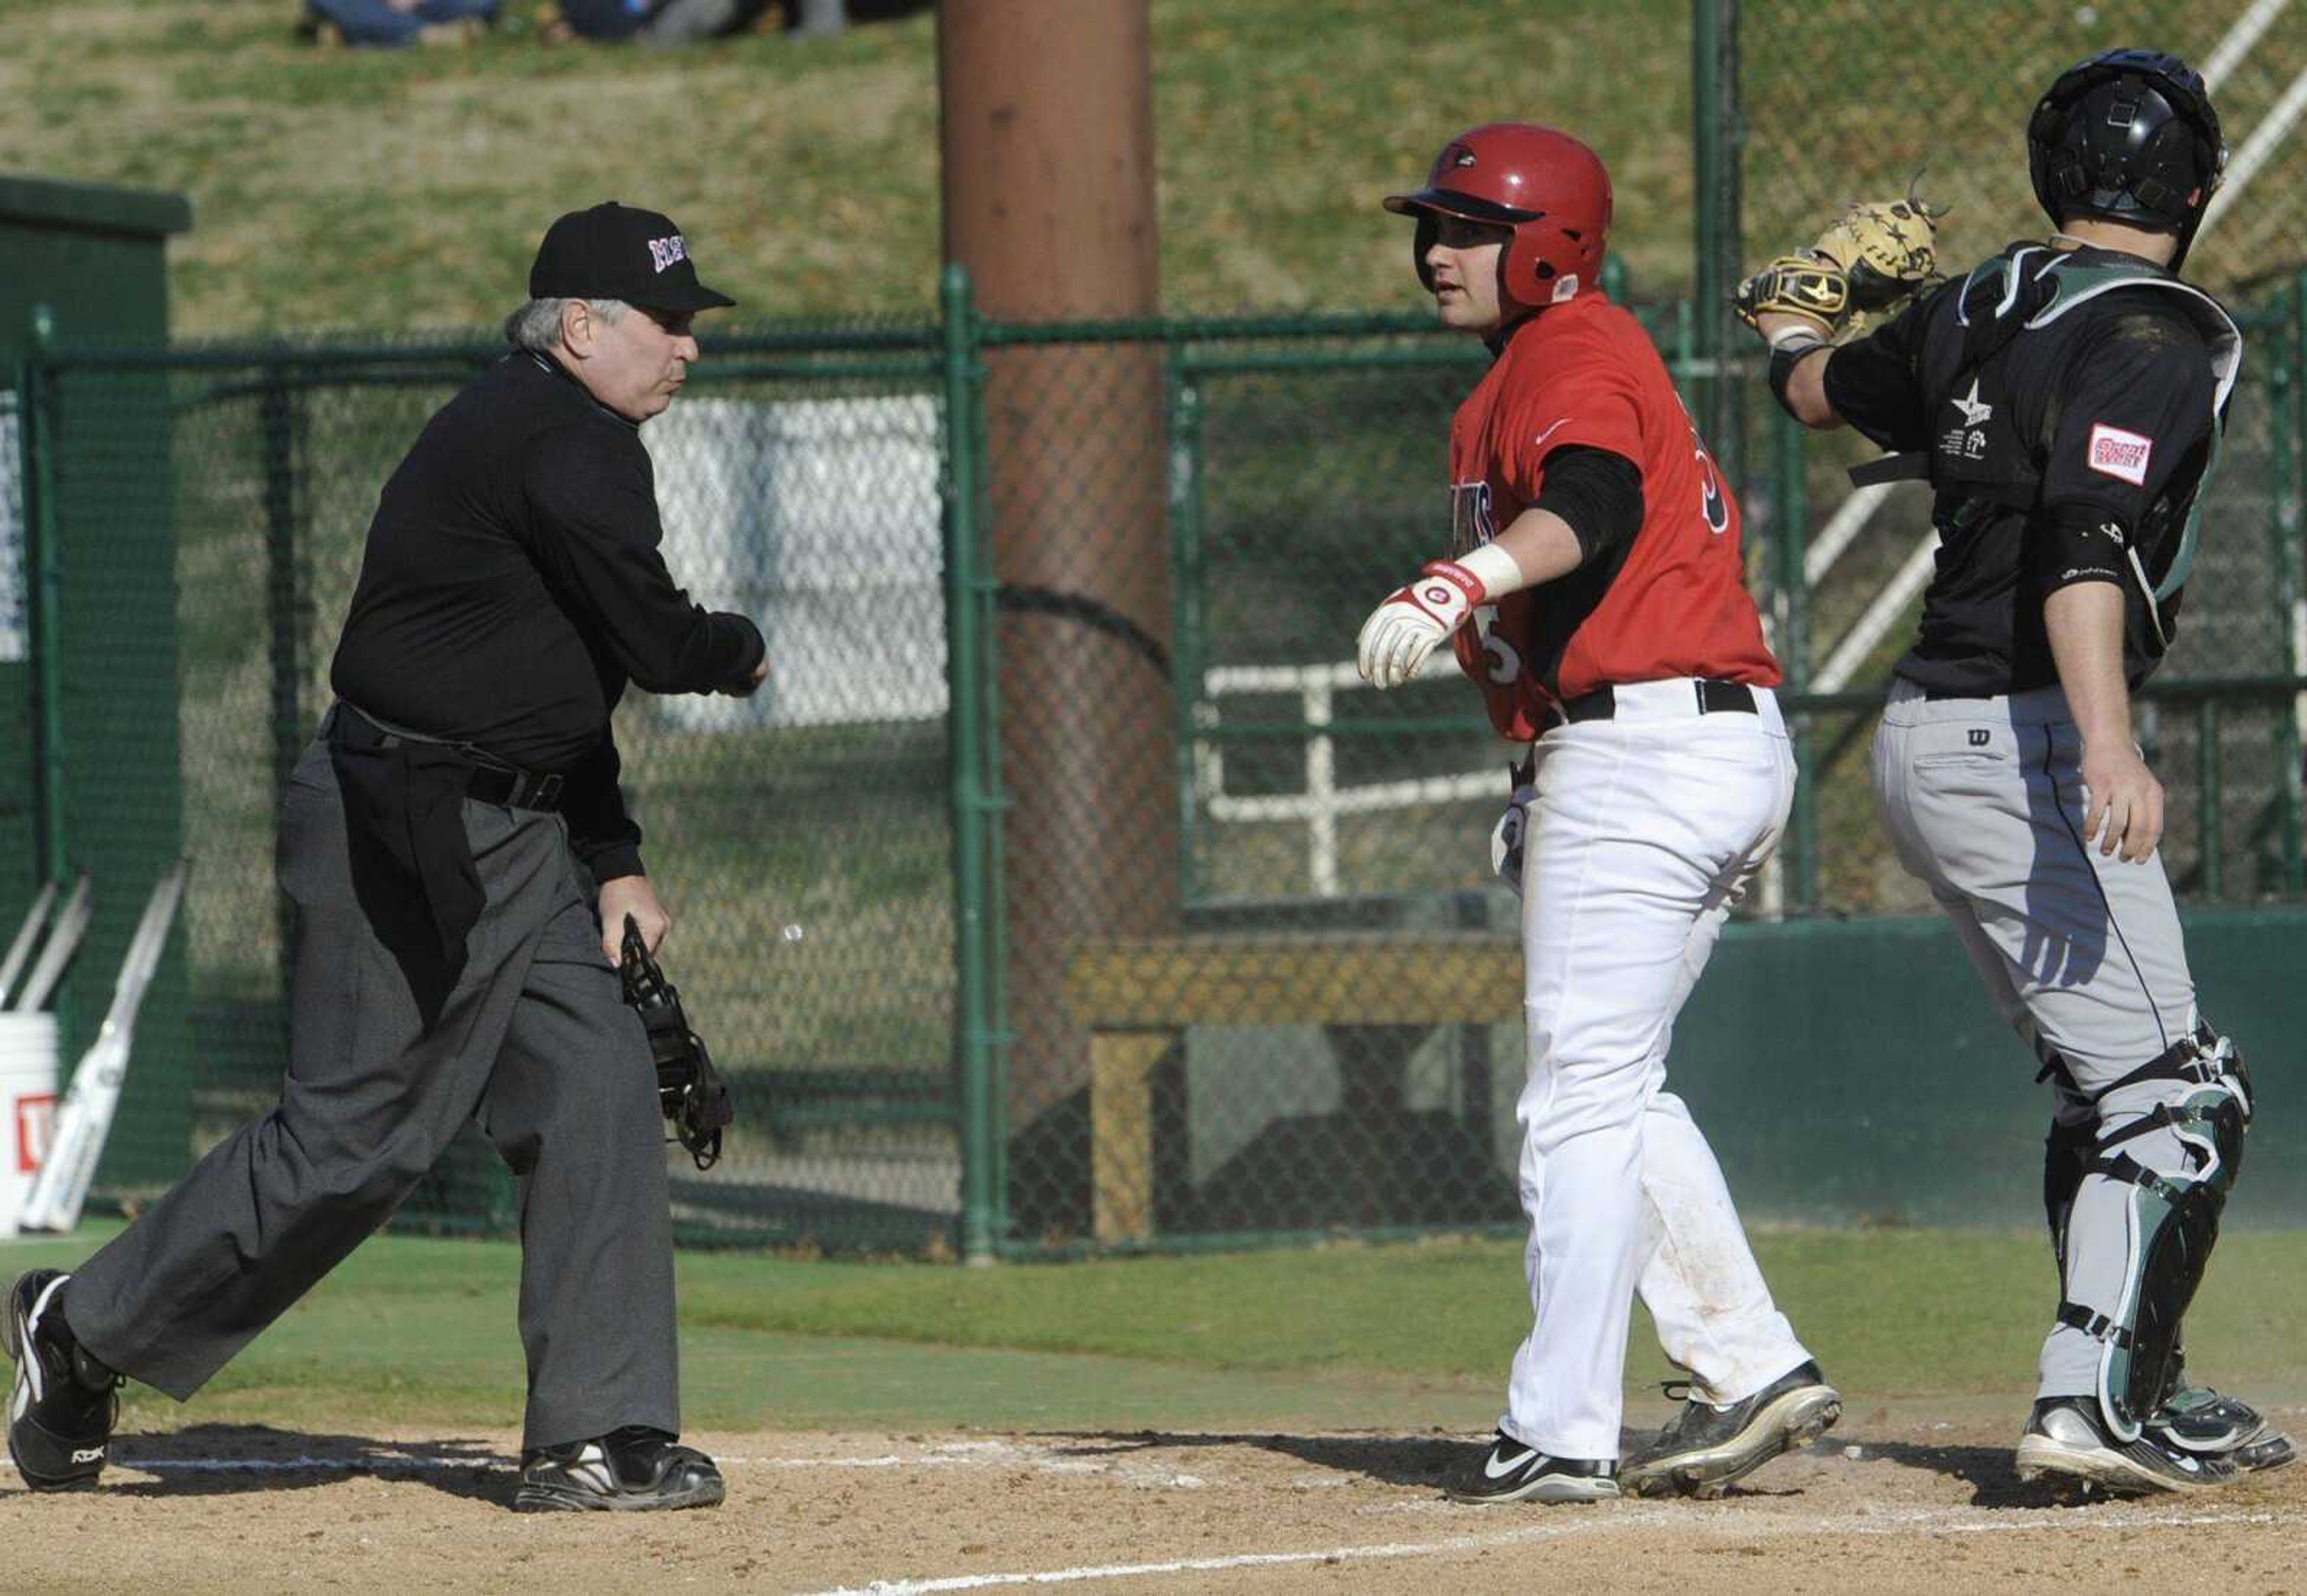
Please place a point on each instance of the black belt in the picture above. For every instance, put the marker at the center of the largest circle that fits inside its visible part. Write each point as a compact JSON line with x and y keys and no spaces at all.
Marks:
{"x":1714,"y":698}
{"x":491,"y":780}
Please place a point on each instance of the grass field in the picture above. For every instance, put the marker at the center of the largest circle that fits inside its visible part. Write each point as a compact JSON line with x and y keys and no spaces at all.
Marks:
{"x":397,"y":190}
{"x":413,"y":1331}
{"x":404,"y":189}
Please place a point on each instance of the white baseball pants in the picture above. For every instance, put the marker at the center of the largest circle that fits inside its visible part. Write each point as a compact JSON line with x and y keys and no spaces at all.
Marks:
{"x":1643,"y":830}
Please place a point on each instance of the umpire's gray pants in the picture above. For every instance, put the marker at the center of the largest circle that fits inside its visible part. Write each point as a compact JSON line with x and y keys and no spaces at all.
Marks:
{"x":532,"y":1038}
{"x":2081,"y":952}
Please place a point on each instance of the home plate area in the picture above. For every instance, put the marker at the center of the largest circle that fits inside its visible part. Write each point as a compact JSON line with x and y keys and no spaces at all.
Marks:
{"x":1891,"y":1502}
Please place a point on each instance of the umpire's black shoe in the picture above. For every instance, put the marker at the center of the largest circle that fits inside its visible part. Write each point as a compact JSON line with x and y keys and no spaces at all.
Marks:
{"x":61,"y":1413}
{"x":632,"y":1470}
{"x":2066,"y":1437}
{"x":1510,"y":1471}
{"x":1705,"y":1448}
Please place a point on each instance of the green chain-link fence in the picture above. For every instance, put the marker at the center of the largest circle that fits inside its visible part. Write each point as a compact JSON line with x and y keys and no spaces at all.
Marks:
{"x":1160,"y":927}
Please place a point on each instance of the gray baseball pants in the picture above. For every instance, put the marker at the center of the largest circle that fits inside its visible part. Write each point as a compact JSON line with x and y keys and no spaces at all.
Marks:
{"x":532,"y":1037}
{"x":2080,"y":952}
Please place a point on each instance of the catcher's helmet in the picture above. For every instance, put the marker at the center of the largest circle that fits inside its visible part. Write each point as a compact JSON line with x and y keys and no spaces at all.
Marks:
{"x":1551,"y":190}
{"x":2128,"y":136}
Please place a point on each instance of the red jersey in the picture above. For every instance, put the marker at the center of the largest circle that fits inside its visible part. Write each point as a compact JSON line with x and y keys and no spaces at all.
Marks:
{"x":1675,"y":603}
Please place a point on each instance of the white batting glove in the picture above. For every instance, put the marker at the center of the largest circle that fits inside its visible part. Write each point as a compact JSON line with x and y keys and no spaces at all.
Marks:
{"x":1400,"y":632}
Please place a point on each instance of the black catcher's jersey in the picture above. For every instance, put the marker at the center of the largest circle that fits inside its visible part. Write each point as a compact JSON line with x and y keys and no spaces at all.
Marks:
{"x":2065,"y":406}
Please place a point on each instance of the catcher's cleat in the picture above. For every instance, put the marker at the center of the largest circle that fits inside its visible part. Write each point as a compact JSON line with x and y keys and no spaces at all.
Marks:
{"x":2271,"y":1450}
{"x":632,"y":1470}
{"x":1705,"y":1449}
{"x":2065,"y":1437}
{"x":63,"y":1405}
{"x":1510,"y":1471}
{"x":2197,"y":1419}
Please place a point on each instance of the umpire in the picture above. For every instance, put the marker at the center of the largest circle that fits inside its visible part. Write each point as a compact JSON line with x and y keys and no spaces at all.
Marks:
{"x":461,"y":865}
{"x":2065,"y":400}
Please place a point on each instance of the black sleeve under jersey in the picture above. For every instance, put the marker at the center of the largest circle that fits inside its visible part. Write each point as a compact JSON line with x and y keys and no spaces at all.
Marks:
{"x":1874,"y":383}
{"x":1599,"y":492}
{"x":2134,"y":407}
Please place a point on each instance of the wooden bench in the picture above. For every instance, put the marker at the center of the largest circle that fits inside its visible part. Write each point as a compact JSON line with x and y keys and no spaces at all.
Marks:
{"x":1385,"y":990}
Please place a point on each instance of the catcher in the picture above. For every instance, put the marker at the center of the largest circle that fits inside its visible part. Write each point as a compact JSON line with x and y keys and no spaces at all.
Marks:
{"x":2064,"y":400}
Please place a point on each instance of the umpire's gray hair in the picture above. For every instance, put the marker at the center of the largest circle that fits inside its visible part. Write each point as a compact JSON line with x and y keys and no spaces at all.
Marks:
{"x":536,"y":325}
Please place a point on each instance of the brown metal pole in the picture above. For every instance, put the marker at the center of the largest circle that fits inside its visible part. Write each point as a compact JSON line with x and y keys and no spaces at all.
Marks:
{"x":1050,"y":203}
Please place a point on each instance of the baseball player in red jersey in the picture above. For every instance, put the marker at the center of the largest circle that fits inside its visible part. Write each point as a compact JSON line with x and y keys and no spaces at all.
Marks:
{"x":1595,"y":593}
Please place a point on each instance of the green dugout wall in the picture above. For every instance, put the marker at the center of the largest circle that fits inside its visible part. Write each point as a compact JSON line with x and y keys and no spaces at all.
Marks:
{"x":1857,"y":1071}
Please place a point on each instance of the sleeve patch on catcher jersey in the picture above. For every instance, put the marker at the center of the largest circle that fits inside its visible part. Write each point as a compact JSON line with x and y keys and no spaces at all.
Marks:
{"x":2115,"y":452}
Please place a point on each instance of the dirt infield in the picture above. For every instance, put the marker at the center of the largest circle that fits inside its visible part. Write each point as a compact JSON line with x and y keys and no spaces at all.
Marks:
{"x":1893,"y":1500}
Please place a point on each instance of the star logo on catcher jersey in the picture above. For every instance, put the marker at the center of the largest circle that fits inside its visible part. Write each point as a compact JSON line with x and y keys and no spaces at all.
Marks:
{"x":1974,"y":414}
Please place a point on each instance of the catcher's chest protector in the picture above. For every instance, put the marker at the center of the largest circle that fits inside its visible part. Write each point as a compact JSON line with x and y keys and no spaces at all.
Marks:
{"x":1988,"y":381}
{"x":1990,"y":374}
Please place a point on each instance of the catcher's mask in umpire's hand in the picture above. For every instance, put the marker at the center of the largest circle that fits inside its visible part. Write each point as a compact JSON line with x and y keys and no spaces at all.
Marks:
{"x":689,"y":1090}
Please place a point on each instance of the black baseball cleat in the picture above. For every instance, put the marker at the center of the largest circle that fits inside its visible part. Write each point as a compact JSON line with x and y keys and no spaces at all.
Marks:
{"x":1704,"y":1449}
{"x":2066,"y":1437}
{"x":2271,"y":1449}
{"x":632,"y":1470}
{"x":2197,"y":1419}
{"x":64,"y":1403}
{"x":1510,"y":1471}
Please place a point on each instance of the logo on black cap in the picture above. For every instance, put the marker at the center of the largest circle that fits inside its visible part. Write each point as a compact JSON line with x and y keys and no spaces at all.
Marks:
{"x":617,"y":252}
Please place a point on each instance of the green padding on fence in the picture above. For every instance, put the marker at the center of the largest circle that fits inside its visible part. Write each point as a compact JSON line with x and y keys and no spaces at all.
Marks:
{"x":1857,"y":1071}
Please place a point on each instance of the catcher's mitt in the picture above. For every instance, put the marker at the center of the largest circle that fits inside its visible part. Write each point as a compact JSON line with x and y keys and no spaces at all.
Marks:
{"x":1887,"y":251}
{"x":1801,"y":284}
{"x":1874,"y":256}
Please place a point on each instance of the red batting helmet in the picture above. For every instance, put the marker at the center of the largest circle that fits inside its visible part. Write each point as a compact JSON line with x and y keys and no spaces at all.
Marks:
{"x":1546,"y":185}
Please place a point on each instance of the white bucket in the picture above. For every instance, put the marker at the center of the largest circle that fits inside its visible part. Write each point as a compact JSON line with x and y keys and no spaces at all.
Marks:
{"x":28,"y":1106}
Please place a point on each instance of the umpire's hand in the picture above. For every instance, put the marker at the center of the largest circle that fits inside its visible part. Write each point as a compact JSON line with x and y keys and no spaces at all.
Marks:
{"x":630,"y":895}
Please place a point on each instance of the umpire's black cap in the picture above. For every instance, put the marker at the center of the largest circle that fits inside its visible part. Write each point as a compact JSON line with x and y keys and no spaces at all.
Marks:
{"x":616,"y":252}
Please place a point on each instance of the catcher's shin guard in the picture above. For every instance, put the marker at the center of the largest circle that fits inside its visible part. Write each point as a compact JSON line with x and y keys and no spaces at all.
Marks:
{"x":2168,"y":1221}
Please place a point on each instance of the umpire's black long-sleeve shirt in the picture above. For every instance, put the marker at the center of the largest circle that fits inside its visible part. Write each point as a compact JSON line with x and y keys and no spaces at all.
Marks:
{"x":511,"y":586}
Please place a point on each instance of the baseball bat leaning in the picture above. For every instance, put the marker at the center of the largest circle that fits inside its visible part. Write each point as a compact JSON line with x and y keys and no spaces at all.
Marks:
{"x":64,"y":941}
{"x":85,"y":1120}
{"x":20,"y":949}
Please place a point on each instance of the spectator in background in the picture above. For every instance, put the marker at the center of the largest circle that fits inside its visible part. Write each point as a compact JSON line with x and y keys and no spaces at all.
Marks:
{"x":659,"y":21}
{"x":398,"y":21}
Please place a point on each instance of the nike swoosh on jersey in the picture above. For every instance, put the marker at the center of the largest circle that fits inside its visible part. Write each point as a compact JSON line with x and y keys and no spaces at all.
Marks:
{"x":1550,"y":431}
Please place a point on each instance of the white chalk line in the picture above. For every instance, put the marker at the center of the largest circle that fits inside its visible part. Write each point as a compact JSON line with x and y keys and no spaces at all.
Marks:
{"x":1929,"y":1520}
